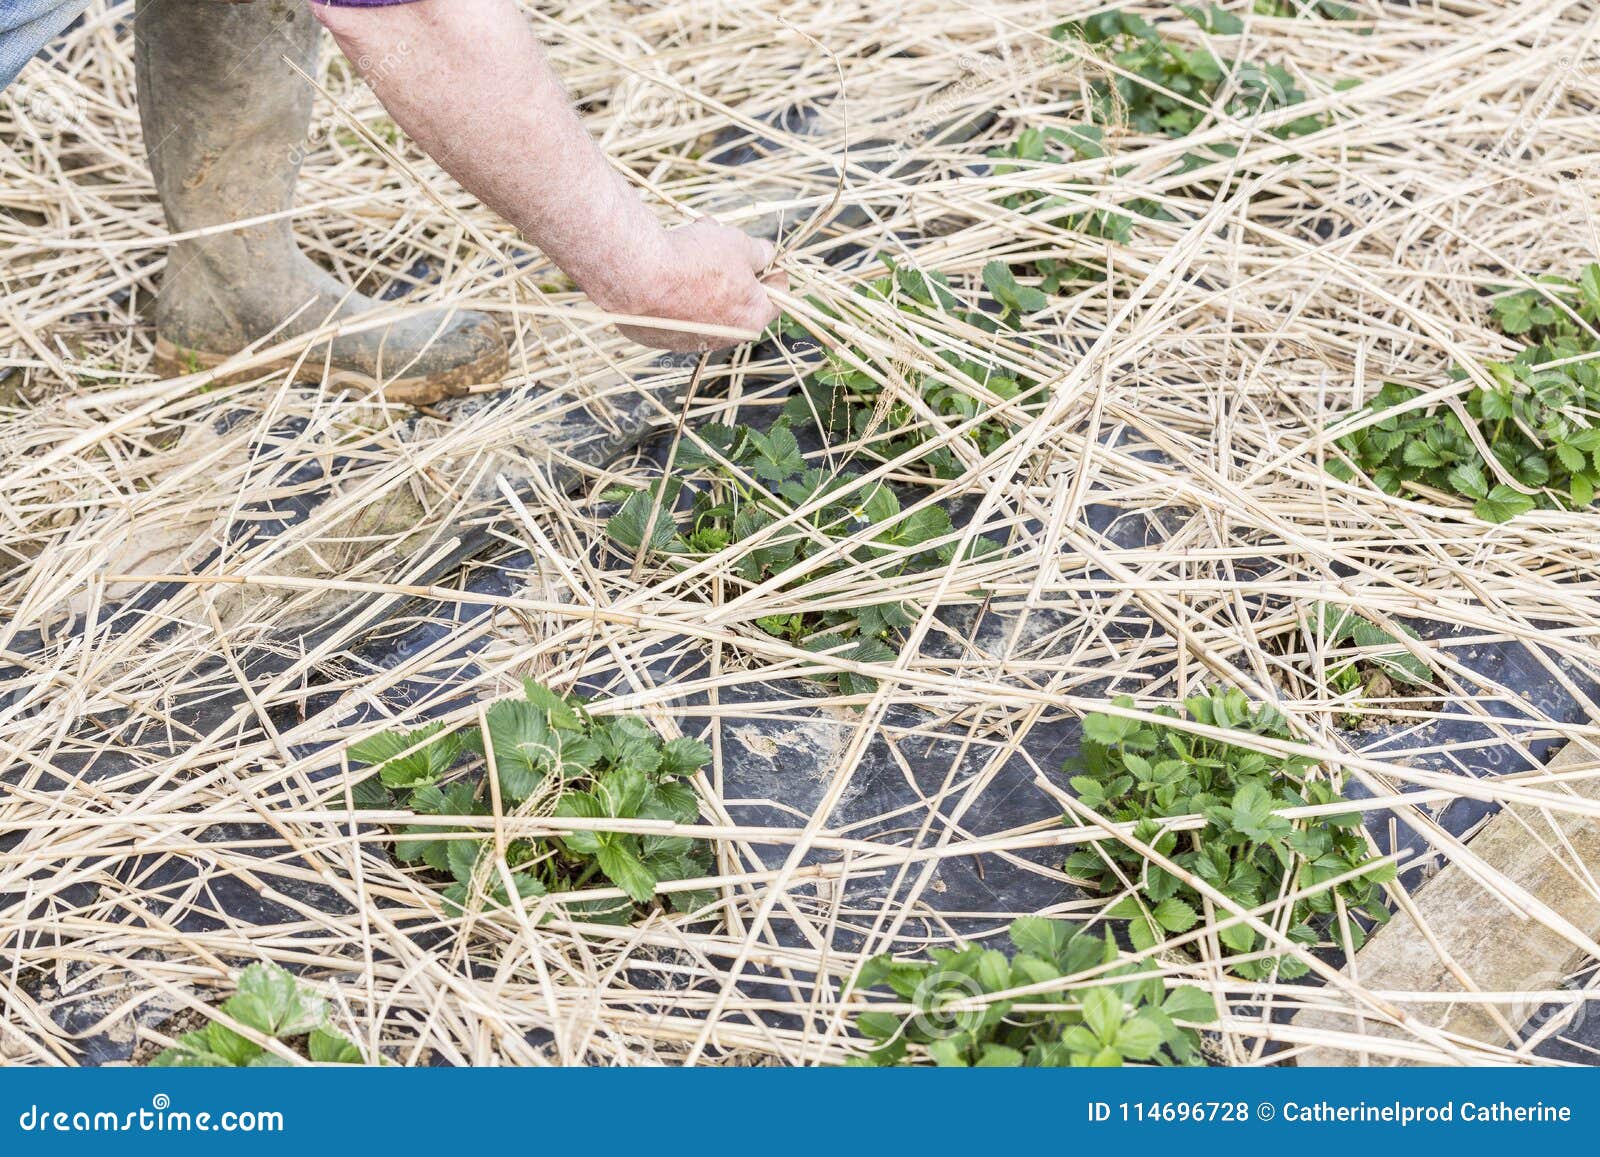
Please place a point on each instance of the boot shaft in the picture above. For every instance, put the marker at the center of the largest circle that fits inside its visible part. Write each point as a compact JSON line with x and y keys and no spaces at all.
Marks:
{"x":224,"y":115}
{"x":225,"y":119}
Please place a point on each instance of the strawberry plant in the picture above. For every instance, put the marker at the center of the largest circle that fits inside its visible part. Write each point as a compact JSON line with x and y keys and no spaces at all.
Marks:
{"x":1338,"y":626}
{"x":1164,"y":88}
{"x":1560,"y":312}
{"x":272,"y":1002}
{"x":1094,"y":1025}
{"x":755,"y":479}
{"x":1169,"y":89}
{"x":1143,"y":773}
{"x":550,"y":756}
{"x":848,"y":403}
{"x":1056,"y":145}
{"x":1539,"y":415}
{"x":1372,"y":675}
{"x":1291,"y":9}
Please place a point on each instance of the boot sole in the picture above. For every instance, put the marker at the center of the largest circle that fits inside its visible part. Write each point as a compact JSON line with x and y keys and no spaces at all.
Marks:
{"x":173,"y":361}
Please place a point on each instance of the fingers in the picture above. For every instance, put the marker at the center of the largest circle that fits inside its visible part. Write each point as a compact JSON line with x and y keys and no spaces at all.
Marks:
{"x":762,"y":252}
{"x":756,"y":252}
{"x":724,"y":279}
{"x":673,"y":341}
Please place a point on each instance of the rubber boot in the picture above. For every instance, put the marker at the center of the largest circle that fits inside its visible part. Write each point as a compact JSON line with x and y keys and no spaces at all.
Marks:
{"x":225,"y":121}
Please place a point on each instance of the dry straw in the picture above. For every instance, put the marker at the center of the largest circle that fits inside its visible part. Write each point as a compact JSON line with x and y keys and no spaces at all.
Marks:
{"x":1288,"y":287}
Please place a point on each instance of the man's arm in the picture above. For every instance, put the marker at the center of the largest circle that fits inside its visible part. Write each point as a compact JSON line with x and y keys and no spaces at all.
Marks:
{"x":470,"y":82}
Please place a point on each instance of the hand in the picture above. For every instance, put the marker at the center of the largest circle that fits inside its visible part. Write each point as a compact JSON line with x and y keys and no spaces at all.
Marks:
{"x":535,"y":164}
{"x":703,"y":272}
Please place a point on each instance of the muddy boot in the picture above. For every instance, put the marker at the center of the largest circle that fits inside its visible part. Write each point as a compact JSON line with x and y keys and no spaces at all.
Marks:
{"x":225,"y":120}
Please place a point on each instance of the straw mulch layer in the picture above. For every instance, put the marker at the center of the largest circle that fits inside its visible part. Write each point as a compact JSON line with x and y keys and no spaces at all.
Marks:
{"x":174,"y":803}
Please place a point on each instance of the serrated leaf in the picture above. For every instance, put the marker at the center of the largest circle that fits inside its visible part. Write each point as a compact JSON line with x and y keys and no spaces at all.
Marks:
{"x":234,"y":1049}
{"x":1238,"y":937}
{"x":684,"y":756}
{"x":721,"y":438}
{"x":580,"y":805}
{"x":879,"y":1026}
{"x":1468,"y":479}
{"x":1044,"y":938}
{"x":1109,"y":730}
{"x":271,"y":1001}
{"x":778,"y":454}
{"x":525,"y":747}
{"x":193,"y":1051}
{"x":1174,"y":915}
{"x":626,"y":870}
{"x":638,"y":754}
{"x":677,"y":801}
{"x":1502,"y":504}
{"x":947,"y":1054}
{"x":1191,"y":1004}
{"x":408,"y":759}
{"x":1421,"y":454}
{"x":371,"y":794}
{"x":999,"y":1057}
{"x":628,"y":526}
{"x":1002,"y":283}
{"x":327,"y":1047}
{"x":461,"y":857}
{"x":621,"y":791}
{"x":558,"y":712}
{"x":880,"y":505}
{"x":1138,"y":1039}
{"x":1102,"y":1012}
{"x":694,"y":901}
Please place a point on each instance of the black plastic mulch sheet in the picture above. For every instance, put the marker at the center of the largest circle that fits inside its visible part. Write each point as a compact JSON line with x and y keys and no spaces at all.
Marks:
{"x":920,"y":782}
